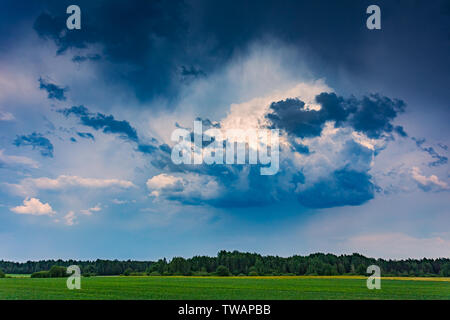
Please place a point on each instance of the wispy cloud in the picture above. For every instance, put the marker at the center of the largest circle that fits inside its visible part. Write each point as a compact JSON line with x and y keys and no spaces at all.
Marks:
{"x":53,"y":91}
{"x":89,"y":211}
{"x":439,"y":159}
{"x":69,"y":218}
{"x":32,"y":185}
{"x":6,"y":116}
{"x":17,"y":160}
{"x":37,"y":141}
{"x":99,"y":121}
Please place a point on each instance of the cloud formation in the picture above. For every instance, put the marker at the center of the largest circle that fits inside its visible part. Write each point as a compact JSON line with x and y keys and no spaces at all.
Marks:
{"x":69,"y":218}
{"x":35,"y":207}
{"x":53,"y":91}
{"x":16,"y":160}
{"x":99,"y":121}
{"x":440,"y":160}
{"x":153,"y":35}
{"x":31,"y":185}
{"x":89,"y":211}
{"x":37,"y":141}
{"x":328,"y":146}
{"x":187,"y":188}
{"x":6,"y":116}
{"x":371,"y":115}
{"x":86,"y":135}
{"x":431,"y":183}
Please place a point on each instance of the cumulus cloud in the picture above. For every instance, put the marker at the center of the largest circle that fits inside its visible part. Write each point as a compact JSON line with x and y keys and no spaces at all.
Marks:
{"x":328,"y":147}
{"x":188,"y":188}
{"x":335,"y":172}
{"x":342,"y":187}
{"x":35,"y":207}
{"x":17,"y":160}
{"x":37,"y":141}
{"x":371,"y":115}
{"x":431,"y":183}
{"x":251,"y":114}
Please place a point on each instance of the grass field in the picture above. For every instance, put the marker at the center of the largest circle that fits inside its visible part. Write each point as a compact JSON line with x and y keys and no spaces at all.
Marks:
{"x":211,"y":288}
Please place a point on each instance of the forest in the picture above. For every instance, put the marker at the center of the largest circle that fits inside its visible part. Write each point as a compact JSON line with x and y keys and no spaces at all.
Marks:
{"x":243,"y":263}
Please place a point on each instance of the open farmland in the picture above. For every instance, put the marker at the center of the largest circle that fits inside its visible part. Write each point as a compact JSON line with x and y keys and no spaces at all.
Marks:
{"x":316,"y":288}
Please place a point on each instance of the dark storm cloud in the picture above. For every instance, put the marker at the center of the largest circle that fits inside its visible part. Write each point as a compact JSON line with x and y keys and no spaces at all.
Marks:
{"x":148,"y":41}
{"x":53,"y":91}
{"x":90,"y":57}
{"x":86,"y":135}
{"x":374,"y":115}
{"x":349,"y":185}
{"x":37,"y":141}
{"x":108,"y":124}
{"x":371,"y":115}
{"x":400,"y":131}
{"x":99,"y":121}
{"x":155,"y":38}
{"x":440,"y":160}
{"x":291,"y":116}
{"x":192,"y":71}
{"x":147,"y":148}
{"x":343,"y":187}
{"x":300,"y":148}
{"x":147,"y":35}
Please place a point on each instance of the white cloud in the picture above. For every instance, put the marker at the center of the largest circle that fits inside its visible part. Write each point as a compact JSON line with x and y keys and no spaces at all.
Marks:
{"x":189,"y":187}
{"x":428,"y":183}
{"x":118,"y":201}
{"x":17,"y":160}
{"x":74,"y":181}
{"x":69,"y":218}
{"x":162,"y":181}
{"x":35,"y":207}
{"x":89,"y":211}
{"x":6,"y":116}
{"x":30,"y":185}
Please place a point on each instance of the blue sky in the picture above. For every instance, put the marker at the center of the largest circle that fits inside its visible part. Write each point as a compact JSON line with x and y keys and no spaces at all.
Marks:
{"x":86,"y":118}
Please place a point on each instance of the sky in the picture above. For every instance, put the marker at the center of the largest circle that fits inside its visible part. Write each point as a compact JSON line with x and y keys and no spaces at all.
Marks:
{"x":87,"y":115}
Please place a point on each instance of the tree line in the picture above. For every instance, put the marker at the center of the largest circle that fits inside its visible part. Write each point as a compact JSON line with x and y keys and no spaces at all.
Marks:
{"x":243,"y":263}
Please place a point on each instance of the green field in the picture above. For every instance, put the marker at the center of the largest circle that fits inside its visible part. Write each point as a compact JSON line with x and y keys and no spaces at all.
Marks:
{"x":224,"y":288}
